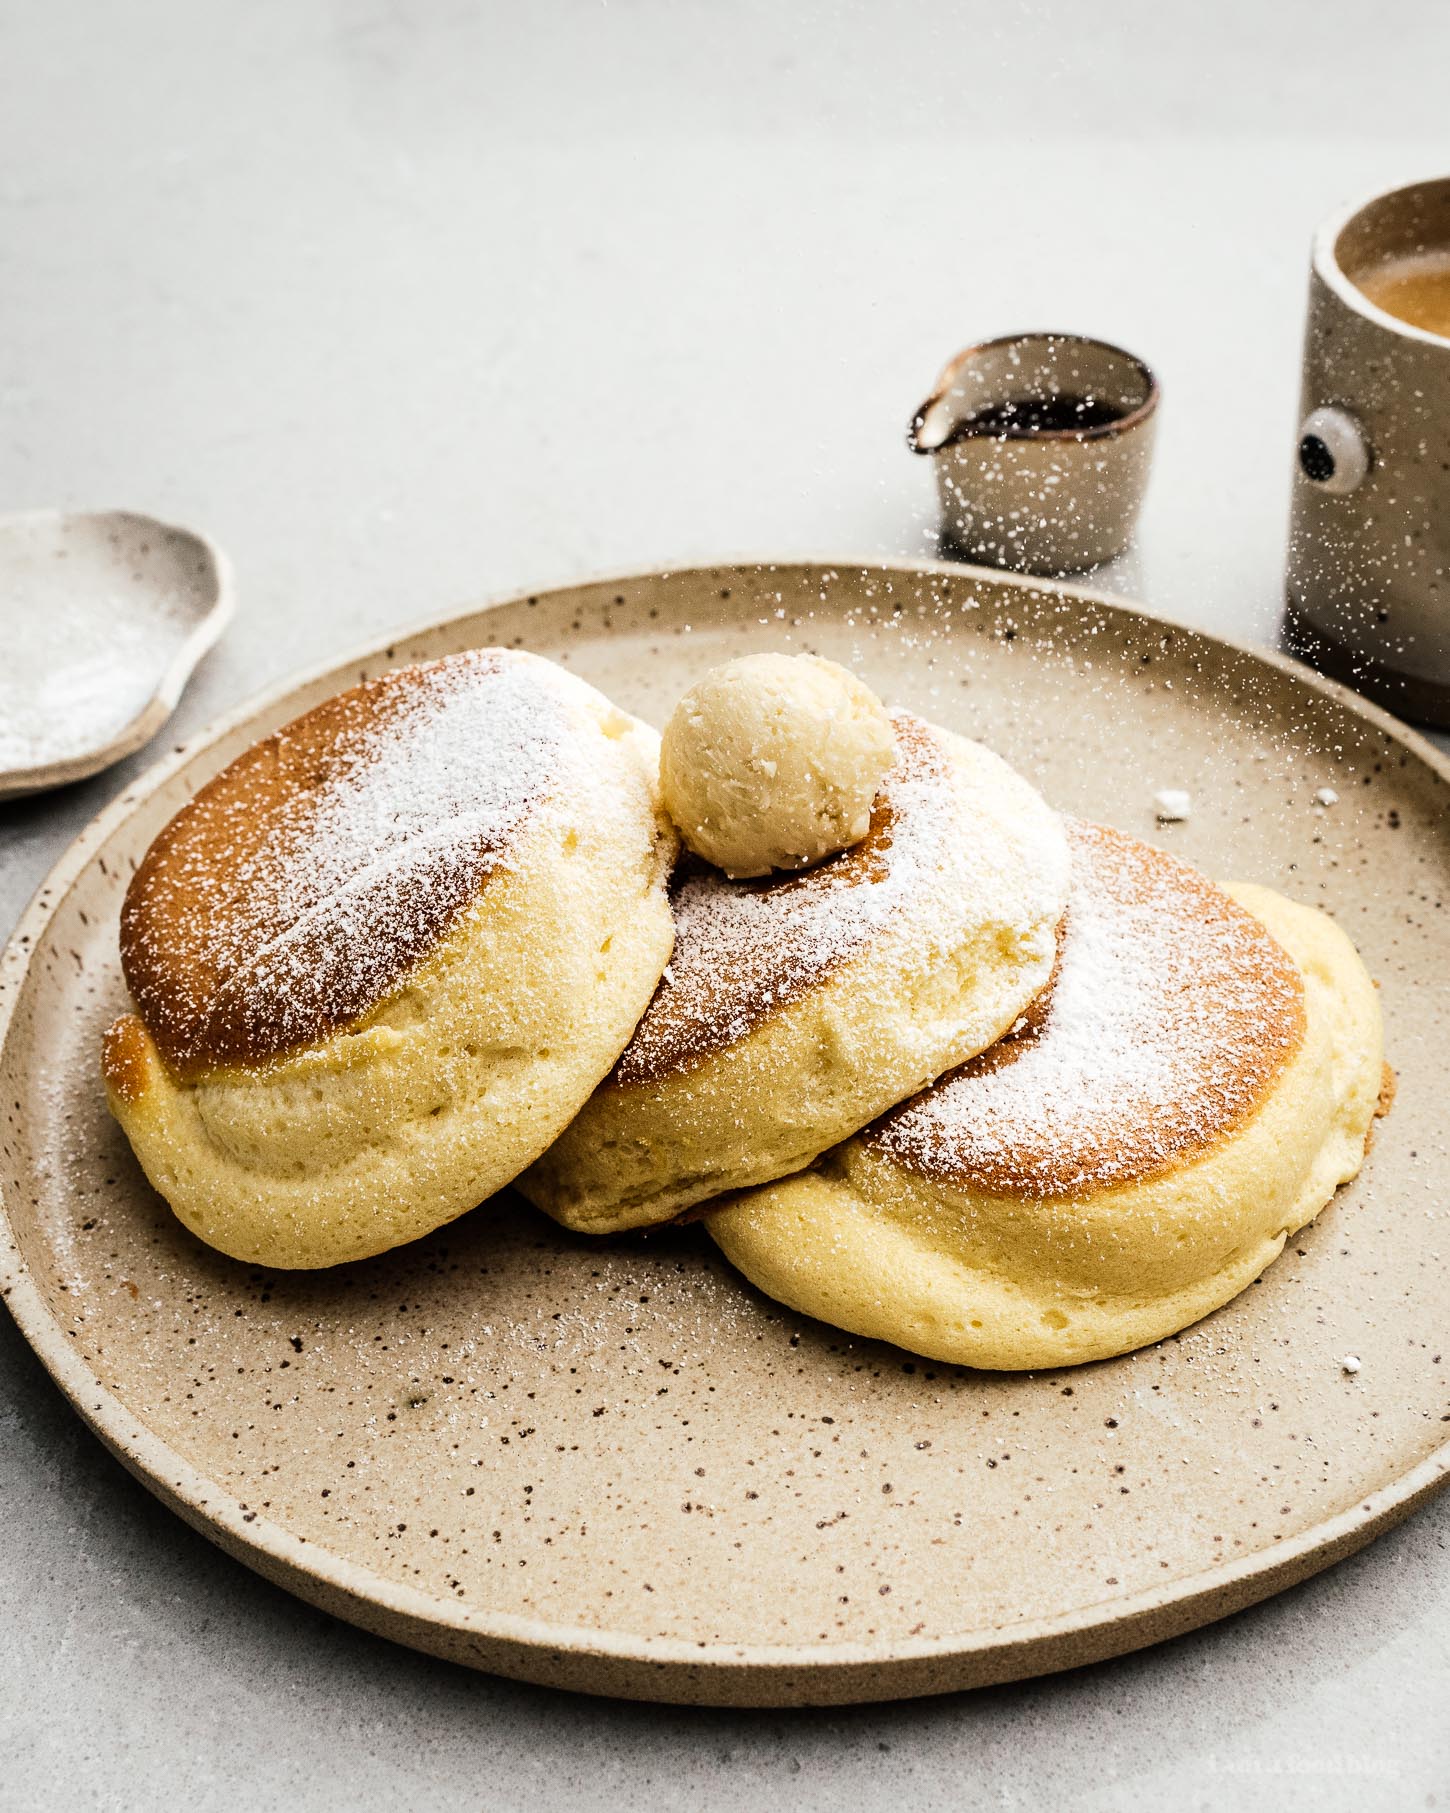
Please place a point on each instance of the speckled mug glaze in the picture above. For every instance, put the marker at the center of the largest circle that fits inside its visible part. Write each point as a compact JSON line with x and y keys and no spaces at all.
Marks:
{"x":610,"y":1465}
{"x":1368,"y":585}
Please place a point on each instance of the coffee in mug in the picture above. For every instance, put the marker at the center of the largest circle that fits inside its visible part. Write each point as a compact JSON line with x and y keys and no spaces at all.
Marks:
{"x":1415,"y":288}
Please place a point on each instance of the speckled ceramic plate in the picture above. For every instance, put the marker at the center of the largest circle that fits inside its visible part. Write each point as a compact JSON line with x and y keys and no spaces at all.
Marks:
{"x":613,"y":1466}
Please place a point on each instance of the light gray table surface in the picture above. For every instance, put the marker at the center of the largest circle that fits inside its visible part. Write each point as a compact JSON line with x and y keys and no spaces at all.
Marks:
{"x":414,"y":305}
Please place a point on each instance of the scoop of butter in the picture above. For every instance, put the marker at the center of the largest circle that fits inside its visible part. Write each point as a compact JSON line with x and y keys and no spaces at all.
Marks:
{"x":773,"y":762}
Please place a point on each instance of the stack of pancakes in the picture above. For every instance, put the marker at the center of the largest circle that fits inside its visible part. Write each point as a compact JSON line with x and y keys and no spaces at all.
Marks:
{"x":1007,"y":1090}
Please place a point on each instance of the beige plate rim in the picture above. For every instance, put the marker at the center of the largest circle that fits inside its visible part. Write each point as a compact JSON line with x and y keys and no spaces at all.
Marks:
{"x":271,"y":1549}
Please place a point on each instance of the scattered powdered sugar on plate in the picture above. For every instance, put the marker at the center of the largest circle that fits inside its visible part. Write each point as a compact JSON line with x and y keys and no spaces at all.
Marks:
{"x":288,"y":896}
{"x":1170,"y":1011}
{"x":744,"y":949}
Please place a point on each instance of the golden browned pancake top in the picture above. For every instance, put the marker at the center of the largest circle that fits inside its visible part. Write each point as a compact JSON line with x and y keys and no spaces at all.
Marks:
{"x":1169,"y":1015}
{"x":746,"y":949}
{"x":292,"y":893}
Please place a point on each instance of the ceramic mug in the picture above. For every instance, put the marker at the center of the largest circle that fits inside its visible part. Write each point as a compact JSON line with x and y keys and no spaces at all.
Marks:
{"x":1042,"y":445}
{"x":1368,"y":582}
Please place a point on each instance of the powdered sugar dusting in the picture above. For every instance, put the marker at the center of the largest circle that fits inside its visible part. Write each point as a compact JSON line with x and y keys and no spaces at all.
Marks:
{"x":1171,"y":1011}
{"x":744,"y":949}
{"x":290,"y":895}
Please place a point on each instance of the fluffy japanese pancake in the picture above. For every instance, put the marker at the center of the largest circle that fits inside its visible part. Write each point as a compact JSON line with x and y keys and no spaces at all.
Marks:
{"x":799,"y":1007}
{"x":1199,"y":1079}
{"x":381,"y":960}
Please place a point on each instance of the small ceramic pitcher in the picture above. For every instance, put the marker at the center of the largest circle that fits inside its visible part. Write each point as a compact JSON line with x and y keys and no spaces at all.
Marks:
{"x":1042,"y":445}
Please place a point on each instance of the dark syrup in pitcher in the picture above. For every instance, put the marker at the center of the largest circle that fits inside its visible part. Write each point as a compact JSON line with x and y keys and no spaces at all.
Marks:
{"x":1058,"y":414}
